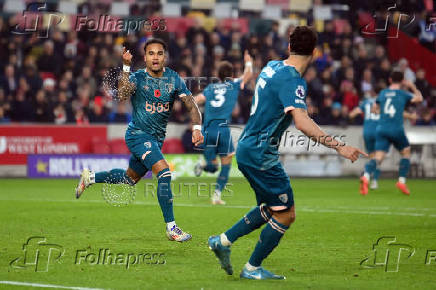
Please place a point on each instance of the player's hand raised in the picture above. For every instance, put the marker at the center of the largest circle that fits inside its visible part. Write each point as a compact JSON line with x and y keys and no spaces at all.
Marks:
{"x":247,"y":57}
{"x":197,"y":137}
{"x":127,"y":57}
{"x":350,"y":152}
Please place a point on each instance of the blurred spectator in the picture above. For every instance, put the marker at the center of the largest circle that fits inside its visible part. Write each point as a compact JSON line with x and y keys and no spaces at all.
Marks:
{"x":42,"y":109}
{"x":403,"y":65}
{"x":9,"y":81}
{"x":426,"y":119}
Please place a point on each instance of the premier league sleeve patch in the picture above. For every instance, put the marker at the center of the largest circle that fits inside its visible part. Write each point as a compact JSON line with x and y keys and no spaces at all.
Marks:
{"x":300,"y":92}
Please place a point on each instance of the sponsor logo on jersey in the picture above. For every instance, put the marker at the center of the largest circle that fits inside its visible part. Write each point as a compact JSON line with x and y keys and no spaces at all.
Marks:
{"x":157,"y":107}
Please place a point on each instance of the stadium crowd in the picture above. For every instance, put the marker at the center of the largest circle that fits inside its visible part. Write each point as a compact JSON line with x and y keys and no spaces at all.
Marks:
{"x":59,"y":79}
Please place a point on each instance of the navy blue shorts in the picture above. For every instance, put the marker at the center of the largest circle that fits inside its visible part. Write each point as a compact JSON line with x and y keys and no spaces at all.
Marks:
{"x":217,"y":140}
{"x":271,"y":186}
{"x":145,"y":149}
{"x":385,"y":137}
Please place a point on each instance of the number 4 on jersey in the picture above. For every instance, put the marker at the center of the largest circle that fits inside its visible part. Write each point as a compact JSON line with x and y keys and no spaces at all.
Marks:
{"x":389,"y":108}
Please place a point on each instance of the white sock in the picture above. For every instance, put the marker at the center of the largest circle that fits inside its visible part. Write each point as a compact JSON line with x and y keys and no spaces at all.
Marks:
{"x":250,"y":267}
{"x":91,"y":177}
{"x":367,"y":176}
{"x":217,"y":194}
{"x":402,"y":179}
{"x":224,"y":240}
{"x":170,"y":225}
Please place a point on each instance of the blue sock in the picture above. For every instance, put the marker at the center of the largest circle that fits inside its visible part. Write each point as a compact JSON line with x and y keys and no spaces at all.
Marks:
{"x":371,"y":167}
{"x":269,"y":239}
{"x":251,"y":221}
{"x":223,"y":177}
{"x":114,"y":176}
{"x":210,"y":167}
{"x":376,"y":174}
{"x":164,"y":194}
{"x":404,"y":167}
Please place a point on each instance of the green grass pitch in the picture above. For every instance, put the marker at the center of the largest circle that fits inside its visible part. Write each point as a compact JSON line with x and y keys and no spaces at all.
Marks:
{"x":335,"y":230}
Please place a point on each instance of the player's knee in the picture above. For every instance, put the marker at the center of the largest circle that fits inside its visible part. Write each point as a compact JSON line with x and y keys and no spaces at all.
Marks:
{"x":284,"y":216}
{"x":132,"y":177}
{"x":405,"y":153}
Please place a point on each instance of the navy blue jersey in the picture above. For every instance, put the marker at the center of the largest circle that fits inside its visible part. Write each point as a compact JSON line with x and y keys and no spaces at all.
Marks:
{"x":279,"y":88}
{"x":370,"y":119}
{"x":153,"y":100}
{"x":392,"y":104}
{"x":220,"y":100}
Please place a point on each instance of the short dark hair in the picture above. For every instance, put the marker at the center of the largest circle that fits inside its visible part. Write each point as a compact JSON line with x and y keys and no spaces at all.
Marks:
{"x":225,"y":70}
{"x":155,"y":40}
{"x":397,"y":76}
{"x":303,"y":40}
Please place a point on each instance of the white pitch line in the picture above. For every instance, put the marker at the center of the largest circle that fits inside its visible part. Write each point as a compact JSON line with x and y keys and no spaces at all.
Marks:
{"x":16,"y":283}
{"x":341,"y":209}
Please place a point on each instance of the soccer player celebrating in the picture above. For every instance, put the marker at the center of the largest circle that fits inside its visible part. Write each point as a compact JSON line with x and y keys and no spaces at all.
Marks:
{"x":219,"y":99}
{"x":371,"y":120}
{"x":152,"y":92}
{"x":390,"y":130}
{"x":279,"y":97}
{"x":369,"y":126}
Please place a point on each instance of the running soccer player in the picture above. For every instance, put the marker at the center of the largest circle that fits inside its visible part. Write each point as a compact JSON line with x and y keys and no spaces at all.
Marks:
{"x":369,"y":126}
{"x":219,"y":99}
{"x":390,"y":130}
{"x":279,"y":97}
{"x":152,"y":92}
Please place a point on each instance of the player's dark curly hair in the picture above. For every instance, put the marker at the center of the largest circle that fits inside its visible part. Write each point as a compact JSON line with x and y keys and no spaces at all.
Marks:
{"x":155,"y":40}
{"x":397,"y":76}
{"x":303,"y":40}
{"x":225,"y":70}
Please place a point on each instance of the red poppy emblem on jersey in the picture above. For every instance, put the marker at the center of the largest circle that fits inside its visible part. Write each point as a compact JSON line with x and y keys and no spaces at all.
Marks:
{"x":157,"y":93}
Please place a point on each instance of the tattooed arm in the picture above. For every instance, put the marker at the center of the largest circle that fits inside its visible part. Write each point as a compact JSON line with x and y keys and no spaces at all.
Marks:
{"x":125,"y":87}
{"x":191,"y":105}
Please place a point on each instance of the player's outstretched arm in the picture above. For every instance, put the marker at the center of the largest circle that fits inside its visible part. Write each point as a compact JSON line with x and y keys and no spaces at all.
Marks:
{"x":356,"y":111}
{"x":125,"y":87}
{"x":248,"y":69}
{"x":191,"y":105}
{"x":306,"y":125}
{"x":410,"y":116}
{"x":417,"y":95}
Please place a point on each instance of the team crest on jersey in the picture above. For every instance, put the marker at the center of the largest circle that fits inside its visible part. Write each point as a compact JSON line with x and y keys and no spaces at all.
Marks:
{"x":146,"y":87}
{"x":299,"y":92}
{"x":283,"y":197}
{"x":147,"y":144}
{"x":169,"y":87}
